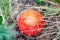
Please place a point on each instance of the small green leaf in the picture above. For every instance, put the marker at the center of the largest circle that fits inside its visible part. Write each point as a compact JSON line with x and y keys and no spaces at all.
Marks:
{"x":41,"y":2}
{"x":1,"y":19}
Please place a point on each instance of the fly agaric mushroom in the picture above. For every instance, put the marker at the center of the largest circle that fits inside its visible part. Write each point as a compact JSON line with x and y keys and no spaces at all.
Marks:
{"x":30,"y":22}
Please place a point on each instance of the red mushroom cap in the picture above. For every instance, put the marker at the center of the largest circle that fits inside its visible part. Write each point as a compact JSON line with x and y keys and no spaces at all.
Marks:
{"x":30,"y":22}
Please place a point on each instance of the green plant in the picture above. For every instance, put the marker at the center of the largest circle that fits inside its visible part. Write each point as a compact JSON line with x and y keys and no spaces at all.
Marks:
{"x":57,"y":1}
{"x":5,"y":5}
{"x":41,"y":2}
{"x":6,"y":32}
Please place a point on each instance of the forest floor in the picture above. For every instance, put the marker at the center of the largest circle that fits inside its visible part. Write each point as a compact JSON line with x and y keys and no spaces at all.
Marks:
{"x":52,"y":22}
